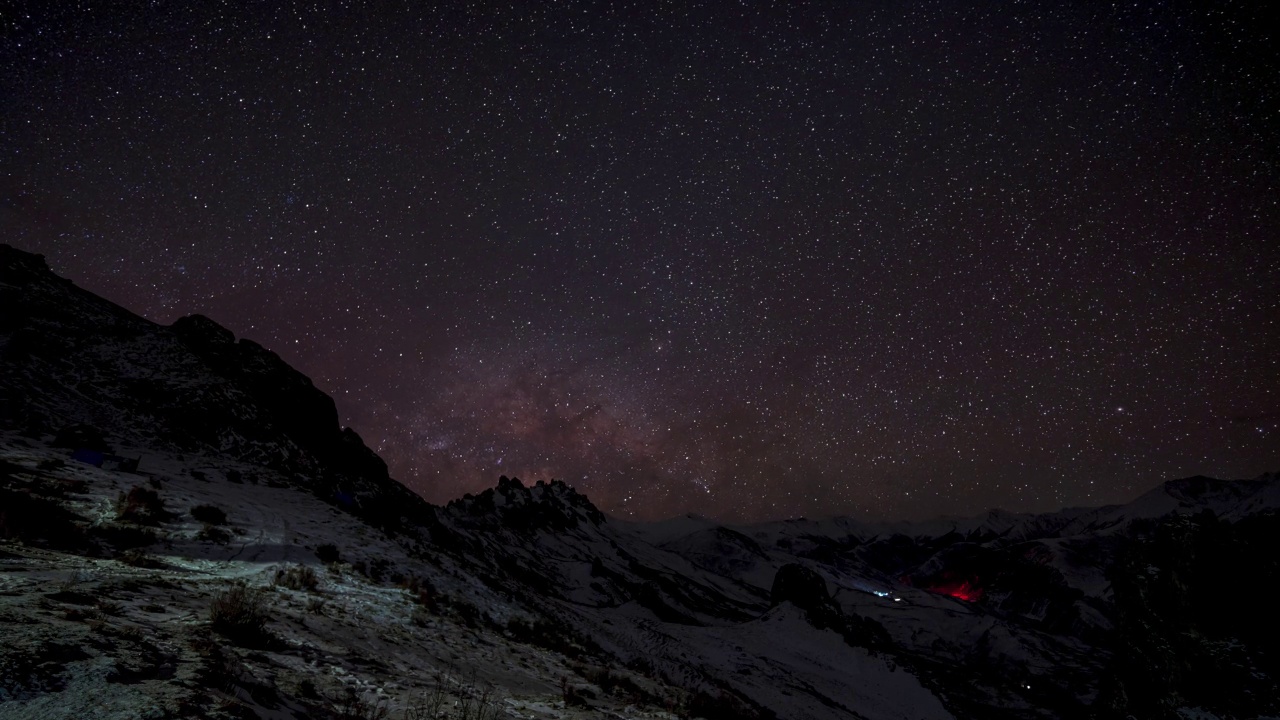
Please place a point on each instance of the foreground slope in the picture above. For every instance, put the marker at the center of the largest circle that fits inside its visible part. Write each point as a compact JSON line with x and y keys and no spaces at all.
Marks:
{"x":246,"y":477}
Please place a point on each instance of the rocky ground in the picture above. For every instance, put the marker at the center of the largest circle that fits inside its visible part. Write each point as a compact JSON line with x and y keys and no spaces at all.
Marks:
{"x":113,"y":610}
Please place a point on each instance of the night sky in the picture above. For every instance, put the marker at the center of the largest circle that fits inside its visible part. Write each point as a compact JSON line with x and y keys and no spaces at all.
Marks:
{"x":750,"y":260}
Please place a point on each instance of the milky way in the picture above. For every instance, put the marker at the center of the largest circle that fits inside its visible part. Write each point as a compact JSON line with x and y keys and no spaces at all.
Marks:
{"x":749,"y":260}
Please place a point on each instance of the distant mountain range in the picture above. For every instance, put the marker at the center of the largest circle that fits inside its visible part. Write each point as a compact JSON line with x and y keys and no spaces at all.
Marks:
{"x":261,"y":563}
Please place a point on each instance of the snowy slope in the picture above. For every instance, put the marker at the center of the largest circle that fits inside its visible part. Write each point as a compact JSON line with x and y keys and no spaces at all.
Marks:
{"x":530,"y":591}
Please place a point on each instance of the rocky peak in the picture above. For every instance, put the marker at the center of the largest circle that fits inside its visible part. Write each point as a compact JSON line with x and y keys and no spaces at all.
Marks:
{"x":199,"y":332}
{"x":801,"y":587}
{"x":20,"y":267}
{"x":544,"y":506}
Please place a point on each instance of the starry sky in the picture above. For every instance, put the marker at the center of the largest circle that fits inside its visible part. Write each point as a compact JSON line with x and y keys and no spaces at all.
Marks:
{"x":751,"y":260}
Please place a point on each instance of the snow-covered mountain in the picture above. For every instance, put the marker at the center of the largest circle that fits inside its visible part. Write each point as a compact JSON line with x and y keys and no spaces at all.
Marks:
{"x":259,"y":562}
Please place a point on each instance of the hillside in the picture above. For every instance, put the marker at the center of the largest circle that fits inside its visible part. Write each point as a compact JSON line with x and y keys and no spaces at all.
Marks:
{"x":259,"y":562}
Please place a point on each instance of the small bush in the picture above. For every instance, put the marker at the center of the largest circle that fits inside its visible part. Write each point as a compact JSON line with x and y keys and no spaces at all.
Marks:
{"x":375,"y":570}
{"x":721,"y":706}
{"x":421,"y":617}
{"x":125,"y":537}
{"x":214,"y":534}
{"x":429,"y":707}
{"x":642,"y":666}
{"x":477,"y":702}
{"x":431,"y":704}
{"x":209,"y":514}
{"x":572,"y":695}
{"x":140,"y":505}
{"x":473,"y":700}
{"x":74,"y":579}
{"x":76,"y":614}
{"x":38,"y":521}
{"x":352,"y":706}
{"x":470,"y":615}
{"x":529,"y":633}
{"x":298,"y":577}
{"x":136,"y":557}
{"x":616,"y":683}
{"x":544,"y":634}
{"x":58,"y":488}
{"x":422,"y":593}
{"x":109,"y":607}
{"x":240,"y":615}
{"x":327,"y":553}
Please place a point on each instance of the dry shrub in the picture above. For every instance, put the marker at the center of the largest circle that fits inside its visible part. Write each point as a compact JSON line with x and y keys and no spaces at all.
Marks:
{"x":214,"y":534}
{"x":327,"y":553}
{"x":209,"y":514}
{"x":39,"y":521}
{"x":125,"y":537}
{"x":140,"y":505}
{"x":721,"y":705}
{"x":352,"y":706}
{"x":616,"y":683}
{"x":298,"y":577}
{"x":422,"y":593}
{"x":240,"y":615}
{"x":109,"y":607}
{"x":421,"y":617}
{"x":136,"y":557}
{"x":473,"y":700}
{"x":557,"y":638}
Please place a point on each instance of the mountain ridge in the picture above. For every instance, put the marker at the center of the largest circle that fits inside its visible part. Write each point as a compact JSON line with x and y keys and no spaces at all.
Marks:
{"x":569,"y":612}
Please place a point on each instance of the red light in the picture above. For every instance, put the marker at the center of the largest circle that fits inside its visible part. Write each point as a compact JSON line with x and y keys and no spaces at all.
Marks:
{"x":959,"y":589}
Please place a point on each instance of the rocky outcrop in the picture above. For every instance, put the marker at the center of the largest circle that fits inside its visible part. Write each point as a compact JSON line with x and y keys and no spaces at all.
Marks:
{"x":801,"y":587}
{"x":73,"y":359}
{"x":807,"y":590}
{"x":294,"y":405}
{"x":552,"y":506}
